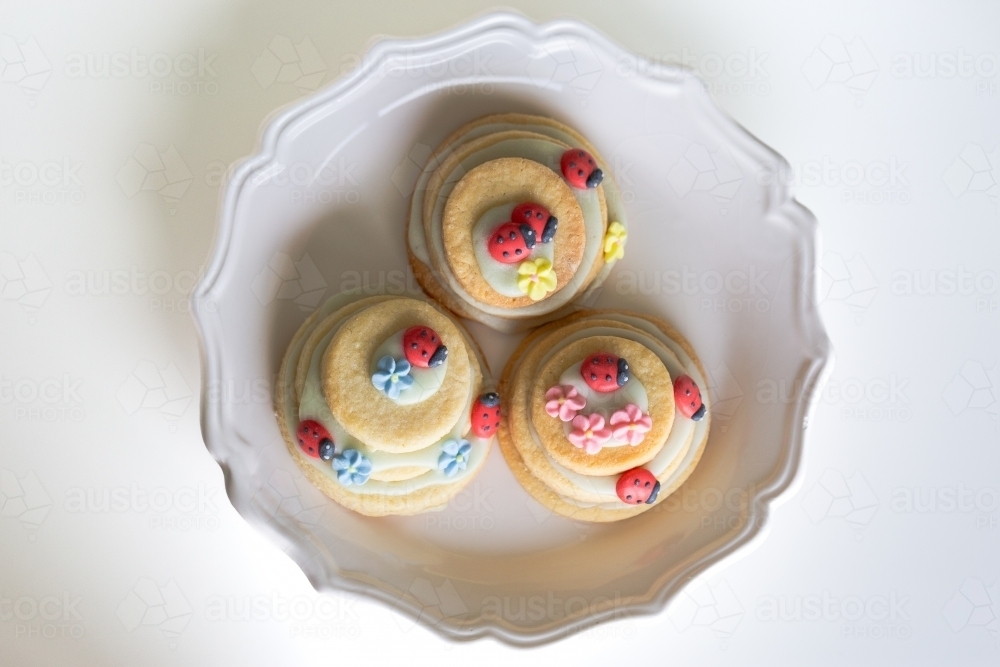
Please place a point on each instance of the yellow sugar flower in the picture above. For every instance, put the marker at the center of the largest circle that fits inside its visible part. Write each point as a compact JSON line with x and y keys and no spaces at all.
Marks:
{"x":614,"y":242}
{"x":536,"y":278}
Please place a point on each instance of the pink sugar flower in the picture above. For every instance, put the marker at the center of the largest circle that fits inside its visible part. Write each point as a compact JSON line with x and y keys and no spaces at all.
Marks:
{"x":630,"y":425}
{"x":564,"y":402}
{"x":589,"y":432}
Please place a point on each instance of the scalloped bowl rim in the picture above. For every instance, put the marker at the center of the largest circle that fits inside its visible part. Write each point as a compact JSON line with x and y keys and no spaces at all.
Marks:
{"x":817,"y":370}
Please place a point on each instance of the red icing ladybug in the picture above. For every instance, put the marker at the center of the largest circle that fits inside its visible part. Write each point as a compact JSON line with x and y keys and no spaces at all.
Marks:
{"x":315,"y":440}
{"x":637,"y":486}
{"x":542,"y":222}
{"x":511,"y":242}
{"x":604,"y":372}
{"x":580,"y":169}
{"x":423,"y":348}
{"x":687,"y":396}
{"x":486,"y":415}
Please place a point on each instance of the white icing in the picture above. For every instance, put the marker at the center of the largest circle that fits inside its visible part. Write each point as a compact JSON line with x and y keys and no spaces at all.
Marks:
{"x":683,"y":434}
{"x":605,"y":403}
{"x":502,"y":277}
{"x":426,"y":381}
{"x":313,"y":405}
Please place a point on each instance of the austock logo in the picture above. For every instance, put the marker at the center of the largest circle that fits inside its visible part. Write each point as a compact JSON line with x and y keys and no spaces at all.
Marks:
{"x":23,"y":498}
{"x":286,"y":62}
{"x":163,"y":172}
{"x":974,"y":605}
{"x":24,"y":64}
{"x":710,"y":171}
{"x":150,"y":388}
{"x":835,"y":496}
{"x":287,"y":279}
{"x":707,"y":607}
{"x":46,"y":617}
{"x":975,"y":171}
{"x":568,"y":62}
{"x":48,"y":182}
{"x":838,"y":63}
{"x":974,"y":387}
{"x":847,"y":281}
{"x":24,"y":282}
{"x":149,"y":604}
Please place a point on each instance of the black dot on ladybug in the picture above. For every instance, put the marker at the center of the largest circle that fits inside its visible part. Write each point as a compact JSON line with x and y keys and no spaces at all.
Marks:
{"x":635,"y":482}
{"x":500,"y":239}
{"x":413,"y":345}
{"x":607,"y":378}
{"x":593,"y":376}
{"x":579,"y":172}
{"x":647,"y":483}
{"x":513,"y":235}
{"x":628,"y":497}
{"x":506,"y":254}
{"x":423,"y":353}
{"x":486,"y":427}
{"x":516,"y":251}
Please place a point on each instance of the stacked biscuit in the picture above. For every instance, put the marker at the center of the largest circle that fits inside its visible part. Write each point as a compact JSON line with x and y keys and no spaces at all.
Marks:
{"x":381,"y":402}
{"x":512,"y":219}
{"x":604,"y":415}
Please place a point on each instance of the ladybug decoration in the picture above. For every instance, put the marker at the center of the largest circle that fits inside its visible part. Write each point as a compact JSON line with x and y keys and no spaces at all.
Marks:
{"x":605,"y":372}
{"x":511,"y":242}
{"x":637,"y":486}
{"x":580,"y":169}
{"x":423,"y":347}
{"x":486,"y":415}
{"x":315,"y":440}
{"x":538,"y":217}
{"x":687,"y":396}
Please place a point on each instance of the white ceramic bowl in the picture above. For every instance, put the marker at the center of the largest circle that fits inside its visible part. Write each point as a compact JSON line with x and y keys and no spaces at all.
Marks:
{"x":717,"y":246}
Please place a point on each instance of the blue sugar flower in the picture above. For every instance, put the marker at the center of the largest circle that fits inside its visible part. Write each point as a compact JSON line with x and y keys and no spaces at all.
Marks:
{"x":392,"y":376}
{"x":454,"y":457}
{"x":352,"y":467}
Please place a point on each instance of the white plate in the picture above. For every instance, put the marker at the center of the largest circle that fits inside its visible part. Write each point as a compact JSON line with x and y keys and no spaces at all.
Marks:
{"x":716,"y":245}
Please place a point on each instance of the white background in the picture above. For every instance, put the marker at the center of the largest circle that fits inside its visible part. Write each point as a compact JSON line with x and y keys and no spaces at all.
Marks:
{"x":886,"y":551}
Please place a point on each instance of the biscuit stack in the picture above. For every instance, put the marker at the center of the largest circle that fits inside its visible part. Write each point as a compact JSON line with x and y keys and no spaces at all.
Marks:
{"x":376,"y":399}
{"x":604,"y":415}
{"x":513,"y":218}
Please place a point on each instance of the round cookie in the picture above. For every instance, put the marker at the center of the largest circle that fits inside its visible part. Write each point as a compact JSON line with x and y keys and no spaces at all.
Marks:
{"x":519,"y":417}
{"x":370,"y":415}
{"x":398,"y":489}
{"x":645,"y":368}
{"x":503,"y":136}
{"x":538,"y":474}
{"x":503,"y":181}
